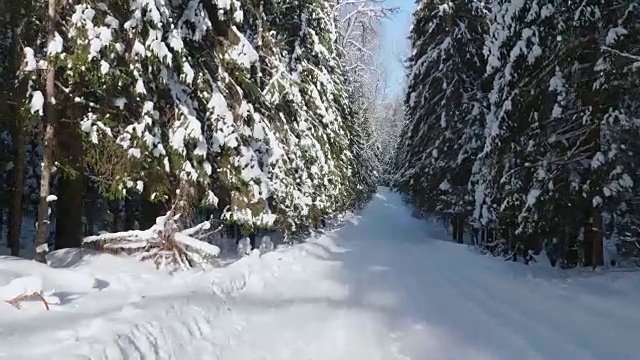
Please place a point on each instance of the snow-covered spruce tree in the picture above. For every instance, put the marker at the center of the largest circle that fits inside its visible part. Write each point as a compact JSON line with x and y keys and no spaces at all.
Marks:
{"x":594,"y":114}
{"x":606,"y":82}
{"x":297,"y":183}
{"x":444,"y":107}
{"x":266,"y":74}
{"x":174,"y":78}
{"x":554,"y":147}
{"x":244,"y":101}
{"x":363,"y":156}
{"x":291,"y":188}
{"x":309,"y":95}
{"x":623,"y":122}
{"x":508,"y":175}
{"x":414,"y":140}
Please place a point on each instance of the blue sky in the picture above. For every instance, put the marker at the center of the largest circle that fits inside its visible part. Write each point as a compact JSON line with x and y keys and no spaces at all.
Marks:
{"x":395,"y":44}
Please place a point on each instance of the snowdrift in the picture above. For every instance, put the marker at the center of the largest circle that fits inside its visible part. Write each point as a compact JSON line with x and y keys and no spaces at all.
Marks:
{"x":113,"y":307}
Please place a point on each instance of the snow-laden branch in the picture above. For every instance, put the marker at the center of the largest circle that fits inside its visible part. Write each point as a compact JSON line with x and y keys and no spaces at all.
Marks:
{"x":623,"y":54}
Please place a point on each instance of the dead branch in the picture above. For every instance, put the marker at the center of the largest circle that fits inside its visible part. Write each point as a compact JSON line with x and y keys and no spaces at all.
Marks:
{"x":15,"y":302}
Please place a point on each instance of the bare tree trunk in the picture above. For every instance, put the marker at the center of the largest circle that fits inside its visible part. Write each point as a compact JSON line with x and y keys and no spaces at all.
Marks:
{"x":593,"y":229}
{"x":69,"y":188}
{"x":45,"y":178}
{"x":69,"y":218}
{"x":2,"y":223}
{"x":454,"y":228}
{"x":17,"y":9}
{"x":598,"y":243}
{"x":89,"y":215}
{"x":460,"y":238}
{"x":114,"y":209}
{"x":490,"y":234}
{"x":595,"y":100}
{"x":129,"y":212}
{"x":19,"y":159}
{"x":260,"y":26}
{"x":49,"y":144}
{"x":149,"y":210}
{"x":593,"y":242}
{"x":457,"y":223}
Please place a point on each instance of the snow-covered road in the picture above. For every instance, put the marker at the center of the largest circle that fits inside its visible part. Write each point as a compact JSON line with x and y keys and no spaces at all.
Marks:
{"x":381,"y":287}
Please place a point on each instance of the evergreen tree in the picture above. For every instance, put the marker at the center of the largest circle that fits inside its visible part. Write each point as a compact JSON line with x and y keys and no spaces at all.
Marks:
{"x":548,"y":162}
{"x":444,"y":107}
{"x":510,"y":176}
{"x":243,"y":104}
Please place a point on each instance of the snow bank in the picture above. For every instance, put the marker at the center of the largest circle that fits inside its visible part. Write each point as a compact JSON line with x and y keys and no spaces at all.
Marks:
{"x":114,"y":307}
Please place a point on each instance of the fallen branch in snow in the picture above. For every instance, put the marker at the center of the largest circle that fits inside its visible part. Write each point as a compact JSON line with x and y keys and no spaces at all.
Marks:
{"x":166,"y":248}
{"x":133,"y":234}
{"x":16,"y":301}
{"x":21,"y":289}
{"x":163,"y":244}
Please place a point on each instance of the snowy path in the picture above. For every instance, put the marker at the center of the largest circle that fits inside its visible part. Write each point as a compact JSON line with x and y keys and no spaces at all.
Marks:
{"x":381,"y":287}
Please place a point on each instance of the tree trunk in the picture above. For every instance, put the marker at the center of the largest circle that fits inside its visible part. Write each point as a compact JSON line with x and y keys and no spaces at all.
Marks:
{"x":70,"y":187}
{"x":454,"y":227}
{"x":597,"y":100}
{"x":593,"y":234}
{"x":69,"y":215}
{"x":89,"y":212}
{"x":16,"y":10}
{"x":19,"y":160}
{"x":45,"y":178}
{"x":258,"y":49}
{"x":49,"y":144}
{"x":598,"y":243}
{"x":570,"y":255}
{"x":490,"y":234}
{"x":129,"y":212}
{"x":2,"y":225}
{"x":458,"y":228}
{"x":114,"y":209}
{"x":149,"y":212}
{"x":460,"y":238}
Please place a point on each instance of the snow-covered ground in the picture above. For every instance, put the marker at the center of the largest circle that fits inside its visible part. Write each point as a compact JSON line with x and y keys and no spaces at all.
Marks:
{"x":381,"y":287}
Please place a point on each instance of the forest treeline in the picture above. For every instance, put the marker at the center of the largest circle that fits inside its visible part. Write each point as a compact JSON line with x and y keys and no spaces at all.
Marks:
{"x":522,"y":125}
{"x":256,"y":111}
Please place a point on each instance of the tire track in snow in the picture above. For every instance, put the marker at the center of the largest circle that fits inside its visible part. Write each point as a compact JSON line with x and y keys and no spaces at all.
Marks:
{"x":448,"y":296}
{"x":512,"y":320}
{"x":574,"y":322}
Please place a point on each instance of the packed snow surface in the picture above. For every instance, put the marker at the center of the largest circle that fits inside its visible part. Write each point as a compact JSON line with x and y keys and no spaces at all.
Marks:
{"x":381,"y":287}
